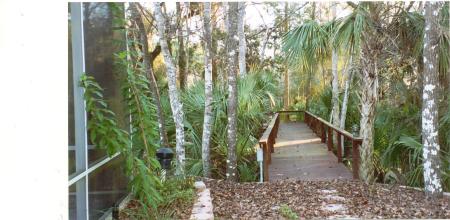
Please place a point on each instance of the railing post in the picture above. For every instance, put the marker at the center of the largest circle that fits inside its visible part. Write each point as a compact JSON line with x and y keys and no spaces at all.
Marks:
{"x":271,"y":143}
{"x":315,"y":125}
{"x":356,"y":158}
{"x":330,"y":139}
{"x":339,"y":147}
{"x":346,"y":150}
{"x":322,"y":136}
{"x":266,"y":157}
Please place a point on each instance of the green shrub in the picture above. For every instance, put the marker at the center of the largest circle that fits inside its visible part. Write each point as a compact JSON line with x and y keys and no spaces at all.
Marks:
{"x":287,"y":212}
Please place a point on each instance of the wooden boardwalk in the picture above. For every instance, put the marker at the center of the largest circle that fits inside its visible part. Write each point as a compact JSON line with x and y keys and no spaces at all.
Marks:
{"x":300,"y":155}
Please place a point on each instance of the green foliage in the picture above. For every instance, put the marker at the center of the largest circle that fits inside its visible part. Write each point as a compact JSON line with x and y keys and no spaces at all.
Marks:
{"x":177,"y":193}
{"x":136,"y":94}
{"x":307,"y":44}
{"x":349,"y":30}
{"x":102,"y":123}
{"x":105,"y":134}
{"x":321,"y":104}
{"x":256,"y":94}
{"x":287,"y":212}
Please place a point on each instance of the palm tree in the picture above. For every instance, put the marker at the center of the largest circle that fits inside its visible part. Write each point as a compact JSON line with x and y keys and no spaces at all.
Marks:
{"x":175,"y":103}
{"x":208,"y":118}
{"x":306,"y":46}
{"x":310,"y":43}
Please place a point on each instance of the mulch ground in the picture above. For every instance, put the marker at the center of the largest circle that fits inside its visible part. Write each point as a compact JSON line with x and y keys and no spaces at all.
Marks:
{"x":322,"y":199}
{"x":134,"y":211}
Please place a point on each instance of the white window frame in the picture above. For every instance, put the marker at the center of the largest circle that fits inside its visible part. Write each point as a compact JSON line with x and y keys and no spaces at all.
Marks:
{"x":81,"y":176}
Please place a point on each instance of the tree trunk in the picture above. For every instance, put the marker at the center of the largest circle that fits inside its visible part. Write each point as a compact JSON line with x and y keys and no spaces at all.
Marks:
{"x":175,"y":103}
{"x":308,"y":91}
{"x":148,"y":67}
{"x":208,"y":117}
{"x":226,"y":7}
{"x":430,"y":138}
{"x":231,"y":68}
{"x":242,"y":43}
{"x":286,"y":67}
{"x":188,"y":33}
{"x":264,"y":45}
{"x":181,"y":51}
{"x":214,"y":42}
{"x":335,"y":80}
{"x":369,"y":97}
{"x":348,"y":81}
{"x":309,"y":77}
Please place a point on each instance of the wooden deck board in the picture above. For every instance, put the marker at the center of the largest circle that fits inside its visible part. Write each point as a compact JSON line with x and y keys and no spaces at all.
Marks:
{"x":299,"y":154}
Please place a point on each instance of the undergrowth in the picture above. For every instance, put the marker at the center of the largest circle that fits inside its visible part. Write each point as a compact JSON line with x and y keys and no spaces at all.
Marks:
{"x":287,"y":212}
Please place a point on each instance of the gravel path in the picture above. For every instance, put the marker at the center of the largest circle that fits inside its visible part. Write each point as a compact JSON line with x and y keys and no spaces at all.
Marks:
{"x":322,"y":199}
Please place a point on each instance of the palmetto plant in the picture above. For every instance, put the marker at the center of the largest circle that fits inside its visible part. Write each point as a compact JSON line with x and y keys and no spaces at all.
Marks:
{"x":256,"y":92}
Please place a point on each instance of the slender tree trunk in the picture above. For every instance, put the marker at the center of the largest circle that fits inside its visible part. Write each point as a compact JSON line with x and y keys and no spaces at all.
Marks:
{"x":263,"y":46}
{"x":335,"y":80}
{"x":175,"y":103}
{"x":188,"y":33}
{"x":232,"y":46}
{"x":286,"y":67}
{"x":308,"y":91}
{"x":181,"y":51}
{"x":348,"y":81}
{"x":214,"y":42}
{"x":208,"y":117}
{"x":147,"y":63}
{"x":242,"y":42}
{"x":309,"y":77}
{"x":226,"y":6}
{"x":430,"y":123}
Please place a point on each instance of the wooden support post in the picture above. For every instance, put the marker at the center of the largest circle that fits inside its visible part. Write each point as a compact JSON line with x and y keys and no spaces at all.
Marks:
{"x":272,"y":142}
{"x":346,"y":150}
{"x":323,"y":133}
{"x":330,"y":139}
{"x":356,"y":158}
{"x":339,"y":147}
{"x":315,"y":126}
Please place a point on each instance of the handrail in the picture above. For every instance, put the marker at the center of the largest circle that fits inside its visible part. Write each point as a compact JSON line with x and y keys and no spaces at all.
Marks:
{"x":322,"y":128}
{"x":338,"y":130}
{"x":325,"y":131}
{"x":266,"y":134}
{"x":266,"y":143}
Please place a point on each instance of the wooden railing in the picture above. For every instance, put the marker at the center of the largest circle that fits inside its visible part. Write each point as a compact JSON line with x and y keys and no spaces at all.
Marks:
{"x":266,"y":143}
{"x":326,"y":130}
{"x":322,"y":128}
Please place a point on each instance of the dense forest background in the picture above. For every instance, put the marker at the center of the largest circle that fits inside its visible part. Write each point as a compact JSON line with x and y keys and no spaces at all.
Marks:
{"x":361,"y":66}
